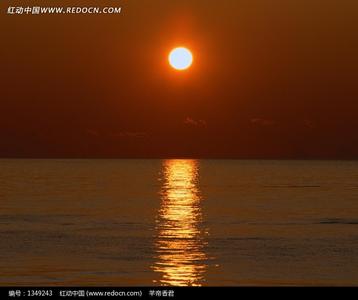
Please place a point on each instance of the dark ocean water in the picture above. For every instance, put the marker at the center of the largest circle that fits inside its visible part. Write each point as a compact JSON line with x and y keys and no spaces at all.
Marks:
{"x":178,"y":222}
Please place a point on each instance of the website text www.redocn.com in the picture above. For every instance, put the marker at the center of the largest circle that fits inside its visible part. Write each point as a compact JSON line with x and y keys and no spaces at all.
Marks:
{"x":55,"y":10}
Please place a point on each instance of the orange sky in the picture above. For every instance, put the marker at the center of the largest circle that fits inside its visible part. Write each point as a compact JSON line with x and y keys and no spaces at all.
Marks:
{"x":271,"y":79}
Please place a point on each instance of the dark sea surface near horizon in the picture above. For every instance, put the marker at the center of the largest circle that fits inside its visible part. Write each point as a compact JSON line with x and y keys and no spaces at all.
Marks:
{"x":178,"y":222}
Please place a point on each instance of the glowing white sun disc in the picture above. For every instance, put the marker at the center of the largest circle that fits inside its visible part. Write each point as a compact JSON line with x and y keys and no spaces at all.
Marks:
{"x":180,"y":58}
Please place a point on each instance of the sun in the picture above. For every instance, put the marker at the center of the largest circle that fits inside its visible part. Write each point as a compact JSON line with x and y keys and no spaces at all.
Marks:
{"x":180,"y":58}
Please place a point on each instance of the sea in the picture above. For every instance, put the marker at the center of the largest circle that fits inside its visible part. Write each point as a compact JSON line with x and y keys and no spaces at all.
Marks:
{"x":178,"y":222}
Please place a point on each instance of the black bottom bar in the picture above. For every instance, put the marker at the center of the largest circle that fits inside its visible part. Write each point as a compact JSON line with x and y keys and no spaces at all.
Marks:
{"x":165,"y":292}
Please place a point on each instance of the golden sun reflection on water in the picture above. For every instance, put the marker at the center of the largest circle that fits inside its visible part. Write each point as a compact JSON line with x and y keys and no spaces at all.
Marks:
{"x":180,"y":242}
